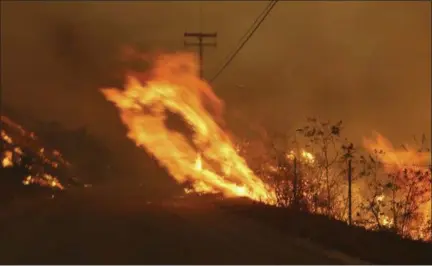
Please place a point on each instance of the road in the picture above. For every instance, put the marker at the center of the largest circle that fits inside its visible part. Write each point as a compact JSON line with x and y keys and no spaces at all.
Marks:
{"x":130,"y":225}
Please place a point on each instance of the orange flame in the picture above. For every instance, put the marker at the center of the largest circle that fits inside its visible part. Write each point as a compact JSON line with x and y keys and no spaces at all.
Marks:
{"x":393,"y":158}
{"x":198,"y":163}
{"x":210,"y":159}
{"x":7,"y":159}
{"x":11,"y":158}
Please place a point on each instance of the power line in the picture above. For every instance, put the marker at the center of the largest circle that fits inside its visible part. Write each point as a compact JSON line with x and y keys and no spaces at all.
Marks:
{"x":257,"y":23}
{"x":240,"y":41}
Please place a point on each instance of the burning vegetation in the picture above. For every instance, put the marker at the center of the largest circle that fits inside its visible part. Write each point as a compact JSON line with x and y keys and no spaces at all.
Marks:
{"x":23,"y":154}
{"x":318,"y":171}
{"x":376,"y":186}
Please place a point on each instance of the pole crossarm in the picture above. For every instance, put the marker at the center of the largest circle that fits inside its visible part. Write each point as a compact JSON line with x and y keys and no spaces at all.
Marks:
{"x":200,"y":34}
{"x":200,"y":44}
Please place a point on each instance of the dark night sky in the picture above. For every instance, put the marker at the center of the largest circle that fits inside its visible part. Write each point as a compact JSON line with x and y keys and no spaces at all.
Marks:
{"x":367,"y":63}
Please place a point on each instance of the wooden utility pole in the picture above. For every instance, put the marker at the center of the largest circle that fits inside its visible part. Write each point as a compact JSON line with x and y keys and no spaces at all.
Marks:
{"x":201,"y":36}
{"x":295,"y":185}
{"x":430,"y":177}
{"x":349,"y":192}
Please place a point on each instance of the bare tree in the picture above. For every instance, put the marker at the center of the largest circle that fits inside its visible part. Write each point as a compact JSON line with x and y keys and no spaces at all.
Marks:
{"x":325,"y":138}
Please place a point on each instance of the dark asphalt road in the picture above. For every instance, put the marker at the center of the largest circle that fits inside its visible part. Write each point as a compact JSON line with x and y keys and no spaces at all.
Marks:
{"x":126,"y":225}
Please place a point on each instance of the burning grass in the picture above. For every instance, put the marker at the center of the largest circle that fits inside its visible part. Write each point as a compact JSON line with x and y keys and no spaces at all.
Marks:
{"x":21,"y":149}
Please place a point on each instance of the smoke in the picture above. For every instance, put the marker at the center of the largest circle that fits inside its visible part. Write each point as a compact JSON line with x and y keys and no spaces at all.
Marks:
{"x":366,"y":63}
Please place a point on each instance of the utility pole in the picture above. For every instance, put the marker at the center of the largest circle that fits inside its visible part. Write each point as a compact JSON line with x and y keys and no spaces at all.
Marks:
{"x":349,"y":192}
{"x":430,"y":177}
{"x":296,"y":175}
{"x":295,"y":188}
{"x":201,"y":36}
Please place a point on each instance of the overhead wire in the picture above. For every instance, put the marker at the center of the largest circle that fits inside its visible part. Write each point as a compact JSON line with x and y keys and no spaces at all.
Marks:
{"x":246,"y":37}
{"x":248,"y":32}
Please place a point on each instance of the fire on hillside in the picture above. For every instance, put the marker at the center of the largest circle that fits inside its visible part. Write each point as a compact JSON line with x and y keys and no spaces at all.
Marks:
{"x":390,"y":188}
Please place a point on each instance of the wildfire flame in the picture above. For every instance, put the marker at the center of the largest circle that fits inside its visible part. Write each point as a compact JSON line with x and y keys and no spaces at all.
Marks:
{"x":209,"y":160}
{"x":198,"y":163}
{"x":308,"y":156}
{"x":305,"y":156}
{"x":384,"y":219}
{"x":7,"y":159}
{"x":13,"y":154}
{"x":396,"y":158}
{"x":399,"y":160}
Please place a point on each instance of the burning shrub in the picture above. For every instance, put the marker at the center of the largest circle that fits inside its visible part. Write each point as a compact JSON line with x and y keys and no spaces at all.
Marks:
{"x":399,"y":189}
{"x":324,"y":182}
{"x":397,"y":198}
{"x":385,"y":194}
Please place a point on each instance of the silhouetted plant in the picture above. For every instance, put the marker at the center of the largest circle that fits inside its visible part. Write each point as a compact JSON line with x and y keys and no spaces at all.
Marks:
{"x":382,"y":198}
{"x":325,"y":138}
{"x":373,"y":202}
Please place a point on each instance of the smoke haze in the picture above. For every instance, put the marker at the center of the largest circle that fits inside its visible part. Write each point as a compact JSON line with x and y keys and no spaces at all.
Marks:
{"x":367,"y":63}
